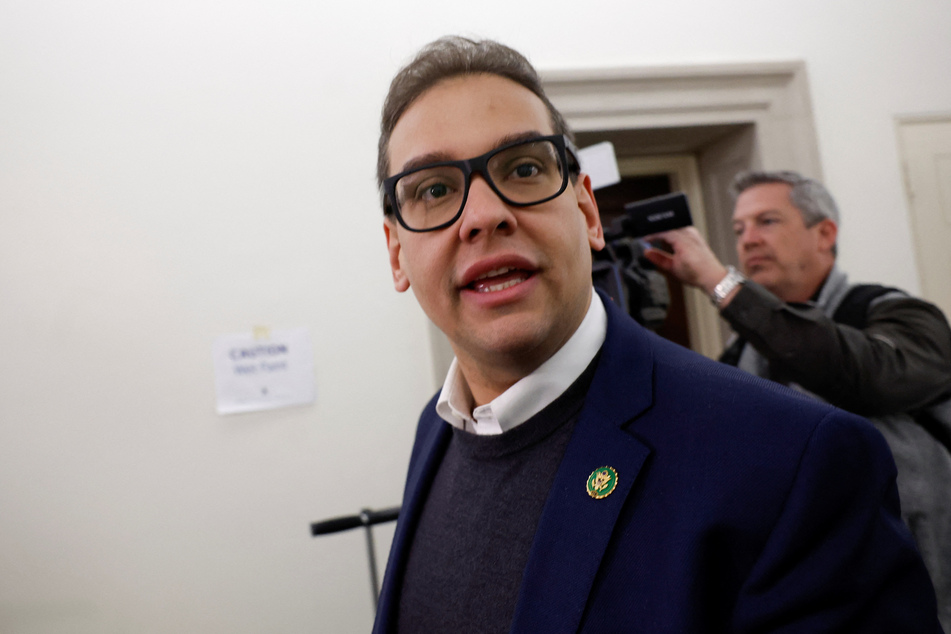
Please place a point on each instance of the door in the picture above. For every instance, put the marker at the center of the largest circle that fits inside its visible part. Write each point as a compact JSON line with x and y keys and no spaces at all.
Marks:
{"x":925,"y":145}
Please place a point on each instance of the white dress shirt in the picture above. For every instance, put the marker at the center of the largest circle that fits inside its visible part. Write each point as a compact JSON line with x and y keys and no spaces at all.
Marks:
{"x":532,"y":393}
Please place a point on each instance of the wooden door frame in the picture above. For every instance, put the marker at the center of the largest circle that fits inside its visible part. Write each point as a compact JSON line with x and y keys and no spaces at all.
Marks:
{"x":763,"y":110}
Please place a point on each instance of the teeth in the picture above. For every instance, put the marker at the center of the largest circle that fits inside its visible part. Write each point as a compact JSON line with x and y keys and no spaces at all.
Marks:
{"x":501,"y":271}
{"x":500,"y":287}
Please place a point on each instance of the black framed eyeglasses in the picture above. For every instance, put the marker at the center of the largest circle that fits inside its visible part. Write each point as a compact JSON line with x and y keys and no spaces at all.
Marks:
{"x":523,"y":173}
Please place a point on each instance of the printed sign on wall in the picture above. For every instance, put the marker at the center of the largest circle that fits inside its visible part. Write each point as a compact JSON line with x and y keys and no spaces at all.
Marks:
{"x":263,"y":370}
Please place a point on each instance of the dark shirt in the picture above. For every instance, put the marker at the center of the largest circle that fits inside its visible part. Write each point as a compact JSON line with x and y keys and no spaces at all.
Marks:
{"x":470,"y":550}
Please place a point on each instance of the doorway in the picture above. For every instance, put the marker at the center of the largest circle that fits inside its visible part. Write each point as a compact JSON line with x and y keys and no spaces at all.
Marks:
{"x":699,"y":126}
{"x":611,"y":201}
{"x":691,"y":320}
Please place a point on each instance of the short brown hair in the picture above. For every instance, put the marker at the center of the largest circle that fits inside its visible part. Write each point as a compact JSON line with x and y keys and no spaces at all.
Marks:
{"x":452,"y":56}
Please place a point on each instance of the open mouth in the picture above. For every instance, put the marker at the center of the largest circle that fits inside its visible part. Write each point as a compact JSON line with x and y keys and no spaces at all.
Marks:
{"x":499,"y":280}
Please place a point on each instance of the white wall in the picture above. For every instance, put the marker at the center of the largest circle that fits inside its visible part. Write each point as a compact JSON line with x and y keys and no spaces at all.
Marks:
{"x":177,"y":170}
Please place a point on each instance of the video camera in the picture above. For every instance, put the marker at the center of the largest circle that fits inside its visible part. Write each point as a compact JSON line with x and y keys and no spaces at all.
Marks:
{"x":622,"y":271}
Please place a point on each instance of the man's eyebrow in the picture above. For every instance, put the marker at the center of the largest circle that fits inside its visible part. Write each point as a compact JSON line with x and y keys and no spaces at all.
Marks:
{"x":757,"y":215}
{"x":760,"y":216}
{"x":518,"y":136}
{"x":425,"y":159}
{"x":439,"y":157}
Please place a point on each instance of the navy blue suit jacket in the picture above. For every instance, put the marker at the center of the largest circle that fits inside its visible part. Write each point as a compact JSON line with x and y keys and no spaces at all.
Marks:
{"x":740,"y":507}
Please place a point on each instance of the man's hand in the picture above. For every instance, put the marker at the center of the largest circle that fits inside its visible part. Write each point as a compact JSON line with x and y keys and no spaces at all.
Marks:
{"x":692,"y":262}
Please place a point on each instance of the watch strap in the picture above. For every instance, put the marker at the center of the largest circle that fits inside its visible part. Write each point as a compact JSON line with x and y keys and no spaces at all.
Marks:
{"x":731,"y":280}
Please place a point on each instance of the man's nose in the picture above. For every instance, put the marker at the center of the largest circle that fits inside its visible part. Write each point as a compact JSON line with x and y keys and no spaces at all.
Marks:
{"x":747,"y":237}
{"x":485,"y":213}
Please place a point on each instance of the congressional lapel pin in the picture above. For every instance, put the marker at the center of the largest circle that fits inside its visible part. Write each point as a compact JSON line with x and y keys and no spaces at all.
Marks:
{"x":602,"y":482}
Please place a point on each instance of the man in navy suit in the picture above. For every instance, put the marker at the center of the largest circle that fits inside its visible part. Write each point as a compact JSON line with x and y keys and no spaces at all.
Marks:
{"x":577,"y":473}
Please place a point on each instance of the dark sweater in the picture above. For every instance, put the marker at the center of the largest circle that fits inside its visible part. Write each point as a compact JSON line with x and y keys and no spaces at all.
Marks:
{"x":476,"y":530}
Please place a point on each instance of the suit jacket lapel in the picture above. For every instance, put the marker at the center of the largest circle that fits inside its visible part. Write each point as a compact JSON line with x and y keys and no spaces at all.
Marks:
{"x":574,"y":529}
{"x":423,"y":466}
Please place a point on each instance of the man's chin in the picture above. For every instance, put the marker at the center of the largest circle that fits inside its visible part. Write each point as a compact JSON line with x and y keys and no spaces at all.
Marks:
{"x":511,"y":341}
{"x":762,"y":276}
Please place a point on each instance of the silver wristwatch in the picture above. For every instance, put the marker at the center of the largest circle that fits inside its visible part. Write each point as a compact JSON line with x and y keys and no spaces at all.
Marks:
{"x":731,"y":280}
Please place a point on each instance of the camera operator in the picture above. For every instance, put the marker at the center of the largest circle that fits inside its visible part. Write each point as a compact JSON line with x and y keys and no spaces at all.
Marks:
{"x":868,"y":349}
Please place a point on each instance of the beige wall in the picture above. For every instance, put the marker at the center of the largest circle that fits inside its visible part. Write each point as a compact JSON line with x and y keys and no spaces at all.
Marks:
{"x":173,"y":171}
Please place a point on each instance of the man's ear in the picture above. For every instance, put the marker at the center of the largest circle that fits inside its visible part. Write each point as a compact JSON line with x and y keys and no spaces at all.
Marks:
{"x":400,"y":280}
{"x":589,"y":208}
{"x":828,"y":232}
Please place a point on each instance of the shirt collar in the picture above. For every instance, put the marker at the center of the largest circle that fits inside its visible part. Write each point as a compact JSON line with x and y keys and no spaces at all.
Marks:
{"x":532,"y":393}
{"x":833,"y":291}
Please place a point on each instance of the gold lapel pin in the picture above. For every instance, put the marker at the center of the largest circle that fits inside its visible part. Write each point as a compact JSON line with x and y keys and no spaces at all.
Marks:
{"x":602,"y":482}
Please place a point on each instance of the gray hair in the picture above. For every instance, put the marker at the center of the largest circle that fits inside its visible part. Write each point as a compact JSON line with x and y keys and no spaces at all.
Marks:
{"x":808,"y":195}
{"x":453,"y":56}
